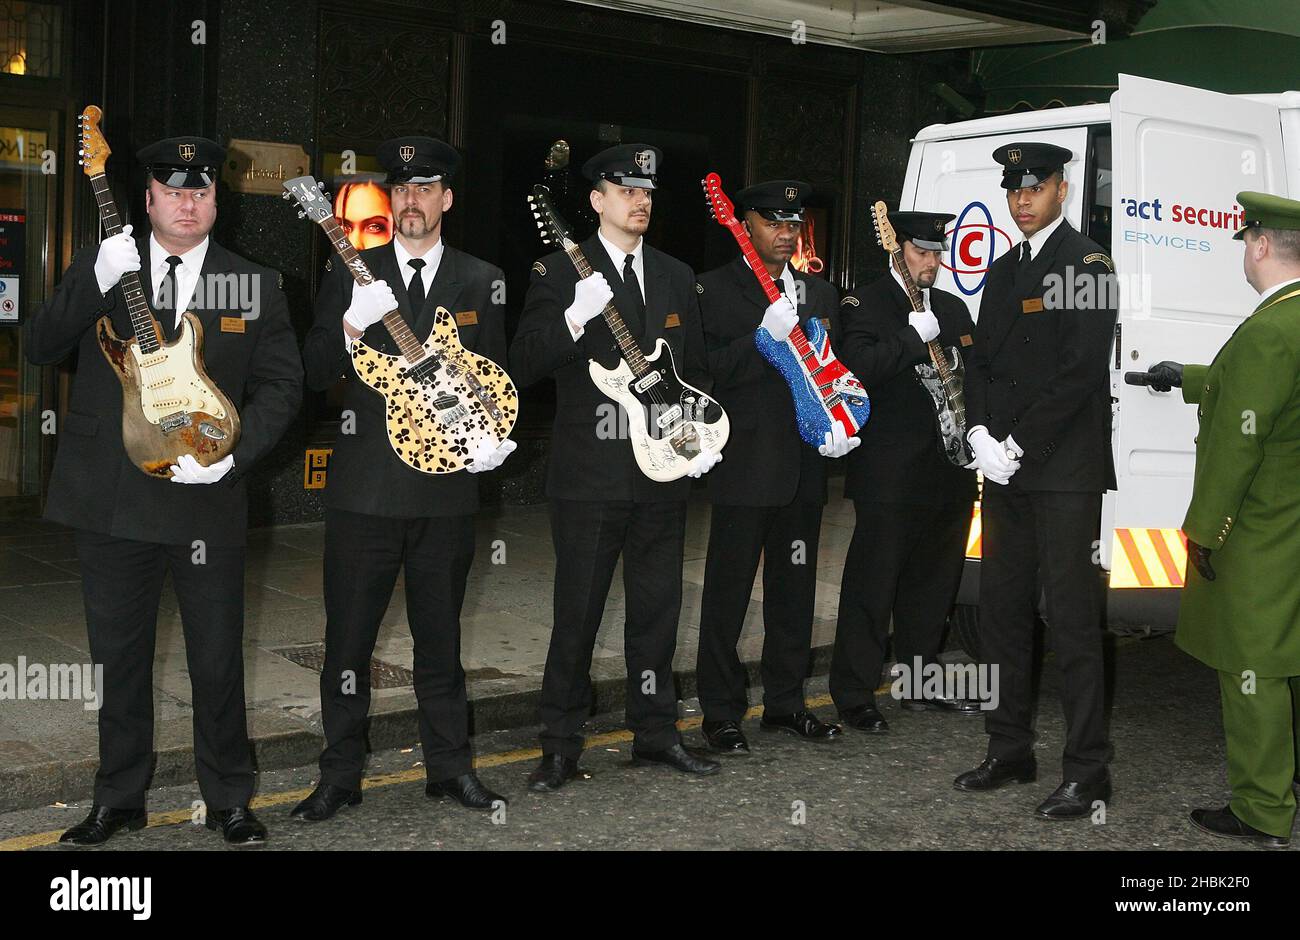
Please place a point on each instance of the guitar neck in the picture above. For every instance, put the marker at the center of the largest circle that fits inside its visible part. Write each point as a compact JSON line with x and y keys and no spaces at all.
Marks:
{"x":797,"y":337}
{"x":412,"y":349}
{"x":755,"y":262}
{"x":627,"y":345}
{"x":142,"y":321}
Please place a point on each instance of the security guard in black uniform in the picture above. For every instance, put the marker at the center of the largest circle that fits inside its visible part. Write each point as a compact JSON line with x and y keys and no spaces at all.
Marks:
{"x":913,"y":505}
{"x":768,"y":494}
{"x":131,"y":529}
{"x":1038,"y":408}
{"x":383,"y":516}
{"x":601,"y":504}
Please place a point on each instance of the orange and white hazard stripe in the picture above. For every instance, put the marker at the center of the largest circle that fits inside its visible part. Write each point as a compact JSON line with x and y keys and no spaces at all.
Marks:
{"x":1148,"y":558}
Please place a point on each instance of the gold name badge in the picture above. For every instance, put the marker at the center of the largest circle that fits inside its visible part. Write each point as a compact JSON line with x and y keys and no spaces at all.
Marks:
{"x":1033,"y":305}
{"x":826,"y":323}
{"x":467,"y":318}
{"x":966,"y":340}
{"x":671,"y":321}
{"x":232,"y":324}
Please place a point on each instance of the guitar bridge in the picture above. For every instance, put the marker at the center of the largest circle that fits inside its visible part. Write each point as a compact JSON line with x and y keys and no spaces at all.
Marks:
{"x":686,"y":442}
{"x":175,"y":421}
{"x":452,"y":416}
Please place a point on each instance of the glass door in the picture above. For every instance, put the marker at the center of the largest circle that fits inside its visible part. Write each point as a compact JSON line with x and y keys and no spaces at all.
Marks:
{"x":31,"y":162}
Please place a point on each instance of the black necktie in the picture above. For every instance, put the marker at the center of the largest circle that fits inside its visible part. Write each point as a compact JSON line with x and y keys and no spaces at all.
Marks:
{"x":415,"y":290}
{"x":638,"y":302}
{"x":1026,"y":253}
{"x":168,"y":306}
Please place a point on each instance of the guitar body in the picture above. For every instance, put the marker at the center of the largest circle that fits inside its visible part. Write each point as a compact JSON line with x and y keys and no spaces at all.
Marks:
{"x":169,"y":404}
{"x":949,"y":405}
{"x":436,"y":416}
{"x":668,"y":421}
{"x":815,"y":412}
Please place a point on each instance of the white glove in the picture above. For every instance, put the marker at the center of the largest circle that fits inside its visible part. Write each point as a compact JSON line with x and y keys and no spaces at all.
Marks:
{"x":780,"y":318}
{"x":117,"y":256}
{"x":991,"y":456}
{"x":925,"y":323}
{"x":702,"y":463}
{"x":589,"y":298}
{"x":188,"y":470}
{"x":369,"y":304}
{"x":488,"y":455}
{"x":837,"y":442}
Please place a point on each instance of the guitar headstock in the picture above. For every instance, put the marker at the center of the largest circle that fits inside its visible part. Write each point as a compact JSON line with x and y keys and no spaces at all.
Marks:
{"x":885,"y":236}
{"x":93,"y":152}
{"x":555,"y":231}
{"x":721,"y":208}
{"x":311,"y":199}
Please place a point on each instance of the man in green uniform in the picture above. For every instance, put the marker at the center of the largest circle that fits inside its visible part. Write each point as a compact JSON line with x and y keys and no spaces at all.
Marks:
{"x":1241,"y":606}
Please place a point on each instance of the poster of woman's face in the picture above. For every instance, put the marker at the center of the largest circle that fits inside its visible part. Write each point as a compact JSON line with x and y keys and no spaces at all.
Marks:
{"x":363,"y":210}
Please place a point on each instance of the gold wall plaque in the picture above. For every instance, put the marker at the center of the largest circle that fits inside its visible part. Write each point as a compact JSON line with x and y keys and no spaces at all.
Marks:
{"x":262,"y":166}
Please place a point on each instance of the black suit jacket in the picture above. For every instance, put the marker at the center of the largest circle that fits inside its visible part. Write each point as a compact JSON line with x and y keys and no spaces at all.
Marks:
{"x":1040,"y":375}
{"x":766,"y":462}
{"x":365,"y":474}
{"x":94,"y":485}
{"x":585,"y":465}
{"x":900,"y":460}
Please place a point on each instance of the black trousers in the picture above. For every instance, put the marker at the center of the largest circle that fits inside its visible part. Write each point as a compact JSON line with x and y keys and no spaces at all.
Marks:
{"x":1030,"y":537}
{"x":786,"y":537}
{"x":904,"y":562}
{"x":363,"y":555}
{"x":588,"y":539}
{"x":121,"y":583}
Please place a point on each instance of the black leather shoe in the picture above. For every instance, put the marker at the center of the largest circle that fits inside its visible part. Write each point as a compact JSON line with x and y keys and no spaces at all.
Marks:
{"x":238,"y":826}
{"x":1224,"y":822}
{"x":962,"y":706}
{"x":865,"y":718}
{"x":467,"y":790}
{"x":994,"y":773}
{"x":725,"y":737}
{"x":98,"y":827}
{"x":678,"y":758}
{"x":803,"y":723}
{"x":553,"y":772}
{"x":324,"y":802}
{"x":1073,"y":800}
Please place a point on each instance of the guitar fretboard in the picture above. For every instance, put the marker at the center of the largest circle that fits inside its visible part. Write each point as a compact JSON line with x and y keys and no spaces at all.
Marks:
{"x":937,"y":355}
{"x":412,"y":349}
{"x":627,"y":344}
{"x":797,"y":338}
{"x":142,"y":321}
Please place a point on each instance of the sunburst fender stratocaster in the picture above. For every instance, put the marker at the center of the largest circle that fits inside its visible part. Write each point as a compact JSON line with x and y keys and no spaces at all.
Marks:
{"x":825,"y":392}
{"x":169,"y":404}
{"x":943,"y":376}
{"x":669,"y":422}
{"x":441,"y":399}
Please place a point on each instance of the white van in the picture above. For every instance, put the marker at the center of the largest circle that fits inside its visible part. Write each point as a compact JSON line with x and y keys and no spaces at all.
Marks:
{"x":1153,"y":180}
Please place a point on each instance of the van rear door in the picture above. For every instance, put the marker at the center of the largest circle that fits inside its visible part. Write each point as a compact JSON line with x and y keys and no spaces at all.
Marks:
{"x":1180,"y":157}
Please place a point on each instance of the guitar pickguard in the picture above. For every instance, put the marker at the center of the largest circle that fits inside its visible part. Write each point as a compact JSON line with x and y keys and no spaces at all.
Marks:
{"x":435,"y":416}
{"x":949,"y":405}
{"x":668,"y":421}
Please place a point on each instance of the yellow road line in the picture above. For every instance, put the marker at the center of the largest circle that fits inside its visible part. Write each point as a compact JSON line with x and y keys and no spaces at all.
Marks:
{"x":410,"y":775}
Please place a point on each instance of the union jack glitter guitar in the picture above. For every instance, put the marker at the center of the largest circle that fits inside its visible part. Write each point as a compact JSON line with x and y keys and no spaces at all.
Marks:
{"x":825,"y":392}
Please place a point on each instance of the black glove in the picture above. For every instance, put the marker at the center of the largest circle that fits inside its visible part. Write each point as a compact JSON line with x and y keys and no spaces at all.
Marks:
{"x":1166,"y":375}
{"x":1199,"y":556}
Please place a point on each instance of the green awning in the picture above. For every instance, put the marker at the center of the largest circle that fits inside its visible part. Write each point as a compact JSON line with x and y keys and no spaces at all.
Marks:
{"x":1229,"y":46}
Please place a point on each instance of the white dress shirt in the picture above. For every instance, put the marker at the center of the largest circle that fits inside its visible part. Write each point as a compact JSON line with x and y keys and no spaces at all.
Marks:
{"x":187,"y":273}
{"x":618,"y":256}
{"x":1039,"y":238}
{"x":1277,"y":287}
{"x":432,"y":259}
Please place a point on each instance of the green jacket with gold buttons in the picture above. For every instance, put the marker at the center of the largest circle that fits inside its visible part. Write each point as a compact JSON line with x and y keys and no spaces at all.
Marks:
{"x":1246,"y":496}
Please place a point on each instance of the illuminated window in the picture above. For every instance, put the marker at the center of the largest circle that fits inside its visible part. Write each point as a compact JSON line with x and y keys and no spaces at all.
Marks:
{"x":29,"y":38}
